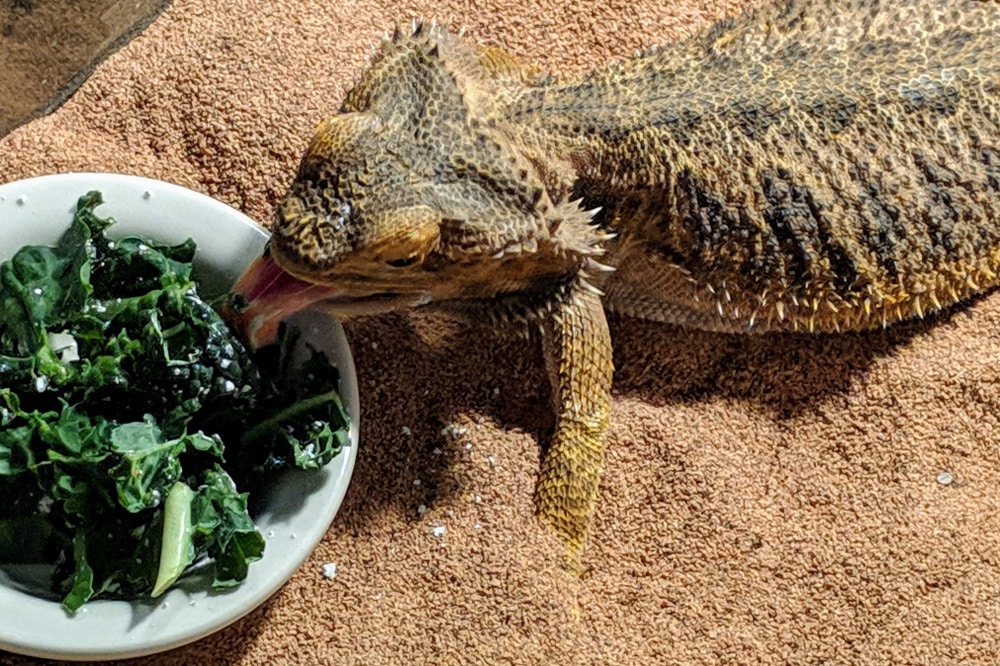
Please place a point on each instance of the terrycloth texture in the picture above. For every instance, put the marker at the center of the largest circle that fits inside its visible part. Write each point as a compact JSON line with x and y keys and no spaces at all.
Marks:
{"x":766,"y":500}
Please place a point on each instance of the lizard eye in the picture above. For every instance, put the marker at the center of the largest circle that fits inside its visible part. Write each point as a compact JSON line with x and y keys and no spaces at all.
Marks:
{"x":402,"y":262}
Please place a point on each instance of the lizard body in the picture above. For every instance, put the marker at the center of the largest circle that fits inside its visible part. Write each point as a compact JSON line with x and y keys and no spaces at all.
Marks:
{"x":812,"y":165}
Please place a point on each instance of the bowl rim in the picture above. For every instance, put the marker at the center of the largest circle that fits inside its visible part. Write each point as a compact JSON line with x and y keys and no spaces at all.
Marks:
{"x":42,"y":628}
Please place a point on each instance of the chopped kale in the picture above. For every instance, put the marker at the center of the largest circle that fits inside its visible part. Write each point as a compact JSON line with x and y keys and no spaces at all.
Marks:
{"x":130,"y":416}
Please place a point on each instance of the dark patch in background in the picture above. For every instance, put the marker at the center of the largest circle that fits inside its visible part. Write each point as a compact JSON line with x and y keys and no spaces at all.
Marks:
{"x":49,"y":47}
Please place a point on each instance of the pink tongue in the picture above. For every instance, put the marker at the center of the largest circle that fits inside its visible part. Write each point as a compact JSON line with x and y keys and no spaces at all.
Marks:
{"x":265,"y":278}
{"x":271,"y":295}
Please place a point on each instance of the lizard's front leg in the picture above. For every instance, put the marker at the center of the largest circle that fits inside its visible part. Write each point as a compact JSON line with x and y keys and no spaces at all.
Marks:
{"x":577,"y":348}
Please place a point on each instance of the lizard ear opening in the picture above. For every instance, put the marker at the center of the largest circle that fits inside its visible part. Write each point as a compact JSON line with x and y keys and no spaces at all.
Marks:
{"x":402,"y":237}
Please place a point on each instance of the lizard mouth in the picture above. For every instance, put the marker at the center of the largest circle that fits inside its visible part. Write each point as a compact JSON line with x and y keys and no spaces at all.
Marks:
{"x":266,"y":294}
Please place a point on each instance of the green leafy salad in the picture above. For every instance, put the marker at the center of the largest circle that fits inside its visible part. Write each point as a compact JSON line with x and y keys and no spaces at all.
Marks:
{"x":134,"y":426}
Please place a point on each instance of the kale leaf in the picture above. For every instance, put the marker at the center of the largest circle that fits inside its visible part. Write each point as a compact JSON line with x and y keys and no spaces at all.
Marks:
{"x":121,"y":394}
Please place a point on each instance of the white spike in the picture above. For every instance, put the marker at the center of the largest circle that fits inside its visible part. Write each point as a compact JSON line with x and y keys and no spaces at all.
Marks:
{"x":602,"y":268}
{"x":595,"y":265}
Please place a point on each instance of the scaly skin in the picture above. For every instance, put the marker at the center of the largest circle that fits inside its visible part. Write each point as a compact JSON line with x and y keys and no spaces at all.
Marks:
{"x":815,"y":165}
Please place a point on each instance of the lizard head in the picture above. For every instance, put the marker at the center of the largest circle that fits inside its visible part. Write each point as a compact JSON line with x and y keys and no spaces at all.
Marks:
{"x":420,"y":190}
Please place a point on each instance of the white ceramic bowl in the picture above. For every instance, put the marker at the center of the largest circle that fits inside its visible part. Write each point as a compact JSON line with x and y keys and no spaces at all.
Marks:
{"x":302,"y":504}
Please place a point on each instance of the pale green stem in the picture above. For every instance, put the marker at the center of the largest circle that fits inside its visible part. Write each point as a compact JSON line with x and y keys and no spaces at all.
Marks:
{"x":176,"y":547}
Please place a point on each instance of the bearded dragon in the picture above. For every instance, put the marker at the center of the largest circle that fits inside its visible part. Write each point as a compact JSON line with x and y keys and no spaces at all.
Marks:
{"x":813,"y":165}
